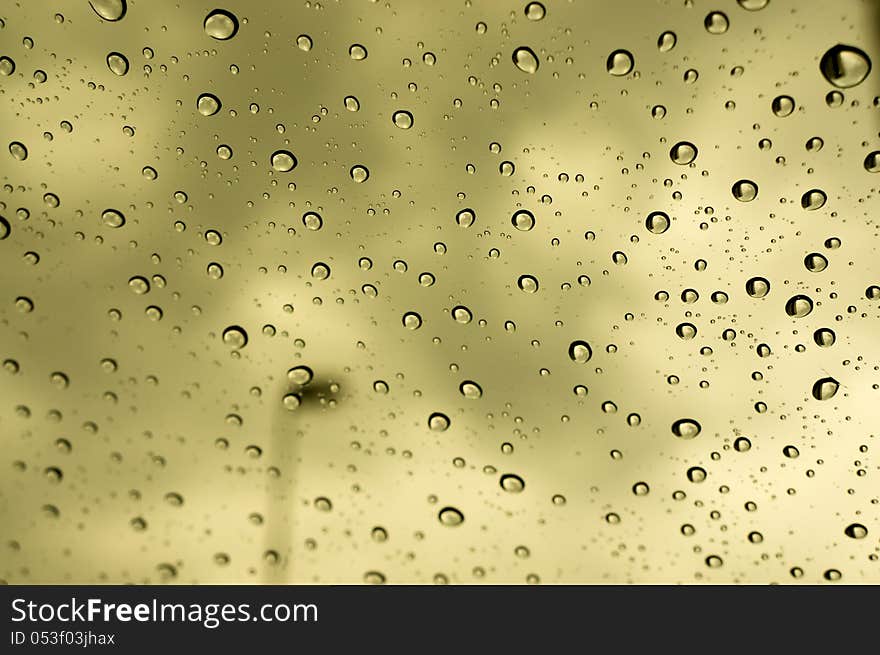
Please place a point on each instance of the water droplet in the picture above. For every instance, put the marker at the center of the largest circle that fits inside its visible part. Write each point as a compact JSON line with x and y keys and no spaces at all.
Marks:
{"x":856,"y":531}
{"x":18,"y":151}
{"x":791,"y":452}
{"x":471,"y":390}
{"x":686,"y":428}
{"x":527,"y":283}
{"x":450,"y":516}
{"x":798,"y":306}
{"x":716,"y":22}
{"x":825,"y":389}
{"x":753,"y":5}
{"x":832,"y":575}
{"x":744,"y":190}
{"x":351,"y":103}
{"x":312,"y":221}
{"x":112,"y":218}
{"x":696,"y":474}
{"x":782,"y":106}
{"x":742,"y":444}
{"x":872,"y":162}
{"x":235,"y":337}
{"x":686,"y":330}
{"x":815,"y":262}
{"x":7,"y":65}
{"x":465,"y":217}
{"x":323,"y":504}
{"x":304,"y":42}
{"x":208,"y":104}
{"x":845,"y":66}
{"x":683,"y":153}
{"x":359,"y":173}
{"x":814,"y":144}
{"x":580,"y":352}
{"x":525,"y":59}
{"x":824,"y":337}
{"x":667,"y":41}
{"x":512,"y":483}
{"x":657,"y":222}
{"x":374,"y":577}
{"x":291,"y":401}
{"x":412,"y":321}
{"x":523,"y":220}
{"x":462,"y":314}
{"x":5,"y":228}
{"x":535,"y":11}
{"x":438,"y":422}
{"x":357,"y":52}
{"x":620,"y":63}
{"x":111,"y":10}
{"x":320,"y":271}
{"x":117,"y":63}
{"x":283,"y":161}
{"x":379,"y":534}
{"x":641,"y":489}
{"x":402,"y":119}
{"x":758,"y":287}
{"x":221,"y":25}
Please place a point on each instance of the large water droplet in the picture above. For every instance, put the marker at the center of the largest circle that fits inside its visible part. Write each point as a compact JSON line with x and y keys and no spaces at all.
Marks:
{"x":620,"y":63}
{"x":111,"y":10}
{"x":359,"y":173}
{"x":744,"y":190}
{"x":782,"y":106}
{"x":402,"y":119}
{"x":523,"y":220}
{"x":580,"y":352}
{"x":535,"y":11}
{"x":683,"y":153}
{"x":221,"y":25}
{"x":438,"y":422}
{"x":512,"y":483}
{"x":112,"y":218}
{"x":758,"y":287}
{"x":716,"y":22}
{"x":525,"y":59}
{"x":845,"y":66}
{"x":283,"y":161}
{"x":798,"y":306}
{"x":657,"y":222}
{"x":856,"y":531}
{"x":667,"y":41}
{"x":235,"y":337}
{"x":471,"y":390}
{"x":527,"y":283}
{"x":872,"y":162}
{"x":825,"y":389}
{"x":117,"y":63}
{"x":449,"y":516}
{"x":208,"y":104}
{"x":686,"y":428}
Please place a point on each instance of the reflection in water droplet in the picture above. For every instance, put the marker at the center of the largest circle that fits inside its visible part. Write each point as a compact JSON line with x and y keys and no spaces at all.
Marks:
{"x":18,"y":150}
{"x":745,"y":190}
{"x":221,"y":25}
{"x":450,"y":516}
{"x":798,"y":306}
{"x":620,"y":63}
{"x":825,"y":389}
{"x":117,"y":63}
{"x":412,"y":321}
{"x":535,"y":11}
{"x":357,"y":52}
{"x":686,"y":428}
{"x":527,"y":283}
{"x":208,"y":104}
{"x":523,"y":220}
{"x":758,"y":287}
{"x":512,"y":483}
{"x":716,"y":22}
{"x":235,"y":337}
{"x":525,"y":59}
{"x":657,"y":222}
{"x":815,"y":262}
{"x":696,"y":474}
{"x":283,"y":161}
{"x":782,"y":106}
{"x":683,"y":153}
{"x":470,"y":389}
{"x":438,"y":422}
{"x":667,"y":41}
{"x":580,"y":352}
{"x":112,"y":218}
{"x":359,"y":173}
{"x":856,"y":531}
{"x":845,"y":66}
{"x":111,"y":10}
{"x":402,"y":119}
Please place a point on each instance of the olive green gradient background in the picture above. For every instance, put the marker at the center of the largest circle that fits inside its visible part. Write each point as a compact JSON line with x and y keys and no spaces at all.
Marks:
{"x":151,"y":427}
